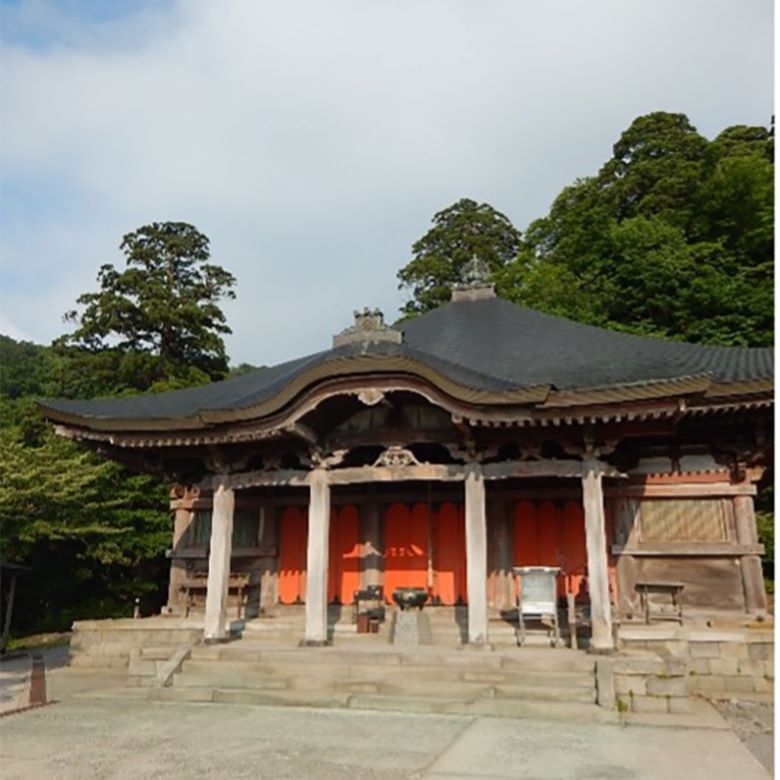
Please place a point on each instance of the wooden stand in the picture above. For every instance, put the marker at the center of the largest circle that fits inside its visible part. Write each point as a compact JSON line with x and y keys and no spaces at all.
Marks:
{"x":673,"y":589}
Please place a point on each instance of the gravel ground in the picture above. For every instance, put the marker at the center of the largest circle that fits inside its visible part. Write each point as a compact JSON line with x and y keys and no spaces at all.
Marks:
{"x":753,"y":723}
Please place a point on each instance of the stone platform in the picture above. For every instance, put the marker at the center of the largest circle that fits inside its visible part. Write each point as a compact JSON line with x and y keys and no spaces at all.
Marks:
{"x":655,"y":671}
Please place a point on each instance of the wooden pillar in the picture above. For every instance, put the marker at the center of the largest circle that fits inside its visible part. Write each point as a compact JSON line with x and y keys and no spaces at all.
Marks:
{"x":626,"y":513}
{"x":596,"y":544}
{"x":500,"y":554}
{"x":181,"y":523}
{"x":750,"y":565}
{"x":316,"y":633}
{"x":269,"y":543}
{"x":476,"y":555}
{"x":219,"y":564}
{"x":371,"y":555}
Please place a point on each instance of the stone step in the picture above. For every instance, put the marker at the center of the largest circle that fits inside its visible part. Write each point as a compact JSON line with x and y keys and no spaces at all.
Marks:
{"x":548,"y":659}
{"x":483,"y":706}
{"x":249,"y":670}
{"x":156,"y":653}
{"x":367,"y":680}
{"x":156,"y":637}
{"x":520,"y":659}
{"x":546,"y":693}
{"x":228,"y":678}
{"x":141,"y":667}
{"x":454,"y":705}
{"x":538,"y":657}
{"x":491,"y":707}
{"x":98,"y":662}
{"x":250,"y":696}
{"x":145,"y":681}
{"x":468,"y":691}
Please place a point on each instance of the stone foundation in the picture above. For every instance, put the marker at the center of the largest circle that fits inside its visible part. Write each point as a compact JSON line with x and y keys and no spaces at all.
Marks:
{"x":110,"y":643}
{"x":644,"y":682}
{"x":718,"y":663}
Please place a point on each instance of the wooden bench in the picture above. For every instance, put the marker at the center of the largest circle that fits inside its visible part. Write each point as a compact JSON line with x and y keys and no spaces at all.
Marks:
{"x":239,"y":583}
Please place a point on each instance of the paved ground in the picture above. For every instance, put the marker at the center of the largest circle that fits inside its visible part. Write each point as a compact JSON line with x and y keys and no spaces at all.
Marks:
{"x":107,"y":738}
{"x":14,"y":683}
{"x":15,"y":675}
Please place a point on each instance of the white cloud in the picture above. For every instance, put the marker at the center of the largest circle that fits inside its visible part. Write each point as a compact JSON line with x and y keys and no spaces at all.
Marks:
{"x":313,"y":141}
{"x":8,"y":328}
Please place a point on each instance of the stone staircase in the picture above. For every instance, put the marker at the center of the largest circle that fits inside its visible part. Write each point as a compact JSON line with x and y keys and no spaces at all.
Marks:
{"x":527,"y":681}
{"x":449,"y":627}
{"x":167,"y":661}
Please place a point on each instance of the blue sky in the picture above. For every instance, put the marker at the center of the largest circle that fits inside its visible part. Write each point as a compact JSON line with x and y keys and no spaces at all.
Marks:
{"x":46,"y":24}
{"x":312,"y":142}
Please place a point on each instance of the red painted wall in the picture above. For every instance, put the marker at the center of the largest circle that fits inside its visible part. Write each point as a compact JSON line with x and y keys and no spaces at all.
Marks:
{"x":344,"y":554}
{"x":293,"y":536}
{"x":450,"y":554}
{"x":406,"y":548}
{"x":553,"y":534}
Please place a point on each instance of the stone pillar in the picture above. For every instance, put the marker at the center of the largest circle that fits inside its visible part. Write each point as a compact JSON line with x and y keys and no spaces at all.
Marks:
{"x":371,"y":551}
{"x":750,"y":565}
{"x":317,"y":560}
{"x":476,"y":555}
{"x":219,"y":564}
{"x":596,"y":544}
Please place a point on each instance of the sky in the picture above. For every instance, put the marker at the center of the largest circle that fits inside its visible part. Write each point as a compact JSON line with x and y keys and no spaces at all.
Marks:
{"x":313,"y":141}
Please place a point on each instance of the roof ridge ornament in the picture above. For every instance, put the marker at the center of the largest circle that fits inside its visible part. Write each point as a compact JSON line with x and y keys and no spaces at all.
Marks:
{"x":369,"y":326}
{"x":475,"y":284}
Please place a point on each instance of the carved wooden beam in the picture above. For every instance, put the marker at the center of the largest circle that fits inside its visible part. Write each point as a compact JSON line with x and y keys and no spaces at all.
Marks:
{"x":434,"y":472}
{"x":301,"y":431}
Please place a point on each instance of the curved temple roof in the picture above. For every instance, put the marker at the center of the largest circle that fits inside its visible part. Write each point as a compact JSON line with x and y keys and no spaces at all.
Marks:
{"x":486,"y":351}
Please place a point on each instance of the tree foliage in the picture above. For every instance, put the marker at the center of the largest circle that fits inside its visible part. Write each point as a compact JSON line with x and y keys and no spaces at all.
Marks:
{"x":94,"y":533}
{"x":157,"y":323}
{"x":459,"y":232}
{"x":673,"y":237}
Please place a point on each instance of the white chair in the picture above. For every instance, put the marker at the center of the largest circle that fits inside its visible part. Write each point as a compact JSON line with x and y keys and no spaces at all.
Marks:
{"x":537,"y":599}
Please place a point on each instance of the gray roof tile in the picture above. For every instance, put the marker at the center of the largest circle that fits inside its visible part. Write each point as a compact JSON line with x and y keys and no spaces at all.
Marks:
{"x":487,"y":344}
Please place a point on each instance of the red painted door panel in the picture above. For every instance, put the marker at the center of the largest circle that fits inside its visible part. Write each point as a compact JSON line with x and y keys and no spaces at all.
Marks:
{"x":575,"y":559}
{"x":553,"y":534}
{"x":344,"y":554}
{"x":406,"y":548}
{"x":450,"y":555}
{"x":547,"y":534}
{"x":293,"y":536}
{"x":526,"y":535}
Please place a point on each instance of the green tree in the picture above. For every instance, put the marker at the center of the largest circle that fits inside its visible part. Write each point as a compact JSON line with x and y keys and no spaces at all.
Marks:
{"x":655,"y":170}
{"x":460,"y":232}
{"x":157,"y":323}
{"x":673,"y":237}
{"x":93,"y":534}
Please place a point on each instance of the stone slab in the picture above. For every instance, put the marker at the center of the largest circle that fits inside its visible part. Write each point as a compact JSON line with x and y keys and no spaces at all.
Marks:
{"x":649,"y":704}
{"x":666,"y":686}
{"x":497,"y":750}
